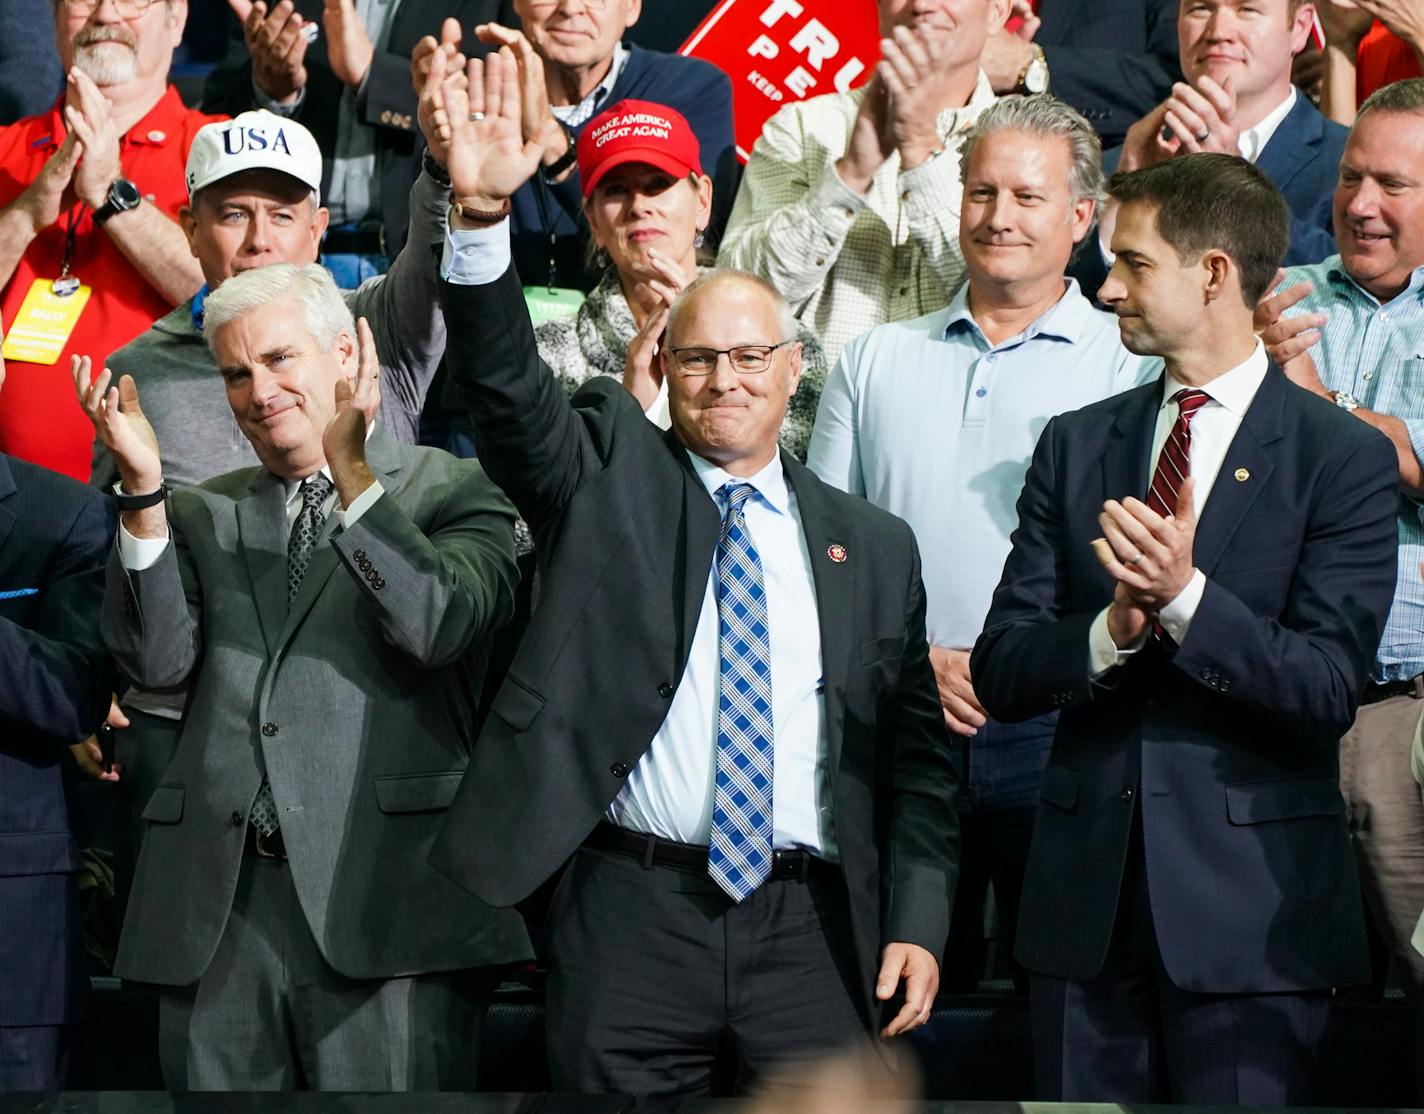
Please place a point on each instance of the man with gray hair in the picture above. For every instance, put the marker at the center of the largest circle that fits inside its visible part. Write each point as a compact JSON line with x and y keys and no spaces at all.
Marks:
{"x":935,"y":420}
{"x":331,"y":610}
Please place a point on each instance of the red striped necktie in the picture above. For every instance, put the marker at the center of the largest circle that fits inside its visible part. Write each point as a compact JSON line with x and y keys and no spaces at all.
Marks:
{"x":1174,"y":463}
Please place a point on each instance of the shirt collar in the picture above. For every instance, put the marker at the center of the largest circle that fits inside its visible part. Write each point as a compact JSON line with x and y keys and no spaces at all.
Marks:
{"x":294,"y":486}
{"x":1065,"y":319}
{"x":770,"y":482}
{"x":952,"y":120}
{"x":200,"y":301}
{"x":1234,"y":389}
{"x":1253,"y":140}
{"x":577,"y":114}
{"x":1335,"y":271}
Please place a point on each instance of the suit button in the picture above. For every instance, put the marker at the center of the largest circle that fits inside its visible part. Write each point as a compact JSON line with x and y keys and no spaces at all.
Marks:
{"x":378,"y":583}
{"x":269,"y":729}
{"x":236,"y":819}
{"x":1223,"y":684}
{"x":1206,"y":675}
{"x":360,"y":555}
{"x":619,"y":769}
{"x":371,"y":575}
{"x":1127,"y":793}
{"x":665,"y":690}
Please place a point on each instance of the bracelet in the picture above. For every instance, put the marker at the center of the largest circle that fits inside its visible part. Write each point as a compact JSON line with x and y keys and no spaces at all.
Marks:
{"x":437,"y":172}
{"x":480,"y":216}
{"x":126,"y":502}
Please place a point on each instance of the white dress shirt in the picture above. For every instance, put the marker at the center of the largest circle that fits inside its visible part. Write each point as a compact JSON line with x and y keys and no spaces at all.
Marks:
{"x":1213,"y":429}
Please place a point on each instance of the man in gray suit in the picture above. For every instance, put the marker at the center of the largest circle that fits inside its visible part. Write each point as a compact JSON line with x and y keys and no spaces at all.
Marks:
{"x":331,"y":610}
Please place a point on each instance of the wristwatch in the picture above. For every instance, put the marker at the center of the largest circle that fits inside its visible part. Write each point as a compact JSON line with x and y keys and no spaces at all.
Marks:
{"x":1345,"y":401}
{"x":1034,"y":78}
{"x":126,"y":502}
{"x":551,"y":173}
{"x":123,"y":196}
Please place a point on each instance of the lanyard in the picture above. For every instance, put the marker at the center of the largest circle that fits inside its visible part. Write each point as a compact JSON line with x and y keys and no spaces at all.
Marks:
{"x":545,"y":224}
{"x":67,"y":284}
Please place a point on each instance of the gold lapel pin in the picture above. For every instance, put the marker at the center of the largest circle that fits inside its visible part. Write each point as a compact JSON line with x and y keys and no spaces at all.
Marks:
{"x":1242,"y":475}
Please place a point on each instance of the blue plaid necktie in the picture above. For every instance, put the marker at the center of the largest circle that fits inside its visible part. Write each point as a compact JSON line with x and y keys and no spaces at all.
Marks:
{"x":739,"y":854}
{"x":301,"y":544}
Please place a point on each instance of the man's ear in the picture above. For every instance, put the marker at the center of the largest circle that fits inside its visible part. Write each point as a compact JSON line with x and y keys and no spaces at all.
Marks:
{"x":1221,"y":275}
{"x":320,"y":219}
{"x":1081,"y":217}
{"x":348,"y":350}
{"x":188,"y":222}
{"x":635,"y":9}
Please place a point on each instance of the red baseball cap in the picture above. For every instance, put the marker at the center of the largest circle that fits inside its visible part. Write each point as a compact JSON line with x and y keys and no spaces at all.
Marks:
{"x":637,"y":131}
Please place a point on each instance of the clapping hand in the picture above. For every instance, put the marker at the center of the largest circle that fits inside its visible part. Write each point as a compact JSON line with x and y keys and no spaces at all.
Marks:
{"x":642,"y":367}
{"x":343,"y":442}
{"x":120,"y":424}
{"x":1148,"y":555}
{"x":535,"y":117}
{"x":1288,"y":340}
{"x":90,"y":119}
{"x":349,"y":49}
{"x":277,"y":42}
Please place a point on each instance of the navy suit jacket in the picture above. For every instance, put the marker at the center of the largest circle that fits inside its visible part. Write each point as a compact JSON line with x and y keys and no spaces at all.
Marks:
{"x":1302,"y":160}
{"x":1228,"y":744}
{"x":1112,"y":60}
{"x":55,"y":682}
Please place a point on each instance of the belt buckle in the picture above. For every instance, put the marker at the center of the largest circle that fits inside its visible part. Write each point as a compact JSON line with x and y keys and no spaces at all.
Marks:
{"x":781,"y":865}
{"x":259,"y":844}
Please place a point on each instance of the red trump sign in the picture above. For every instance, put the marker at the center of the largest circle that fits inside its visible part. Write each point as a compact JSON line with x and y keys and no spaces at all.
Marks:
{"x":780,"y":51}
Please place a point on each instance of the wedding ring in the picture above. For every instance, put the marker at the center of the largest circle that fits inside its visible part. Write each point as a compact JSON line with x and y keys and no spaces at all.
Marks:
{"x":1133,"y":560}
{"x":1203,"y":137}
{"x":477,"y":115}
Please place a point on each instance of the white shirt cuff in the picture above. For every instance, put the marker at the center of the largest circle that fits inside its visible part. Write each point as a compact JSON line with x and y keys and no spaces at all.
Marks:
{"x":138,"y":554}
{"x":264,"y":101}
{"x":360,"y":505}
{"x":1176,"y":618}
{"x":475,"y":256}
{"x":1103,"y":653}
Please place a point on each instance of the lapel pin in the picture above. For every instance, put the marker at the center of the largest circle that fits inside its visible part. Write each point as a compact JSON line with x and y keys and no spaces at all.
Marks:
{"x":1242,"y":475}
{"x":156,"y":136}
{"x":836,"y":552}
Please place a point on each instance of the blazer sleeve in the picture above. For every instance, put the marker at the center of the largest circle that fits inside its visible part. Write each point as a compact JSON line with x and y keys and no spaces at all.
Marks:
{"x":1311,"y":666}
{"x":440,"y":589}
{"x":151,"y":617}
{"x":55,"y":677}
{"x":1032,"y":656}
{"x":531,"y":442}
{"x":923,"y":848}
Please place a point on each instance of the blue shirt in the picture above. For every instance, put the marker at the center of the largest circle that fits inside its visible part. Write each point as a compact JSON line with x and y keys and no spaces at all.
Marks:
{"x":1375,"y":352}
{"x":928,"y":420}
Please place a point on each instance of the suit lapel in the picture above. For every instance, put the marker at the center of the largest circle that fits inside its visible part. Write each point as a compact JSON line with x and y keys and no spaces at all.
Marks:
{"x":262,"y":528}
{"x":1127,"y":469}
{"x":1249,"y":458}
{"x":835,"y":590}
{"x":1294,"y":143}
{"x":697,"y":545}
{"x":7,"y":489}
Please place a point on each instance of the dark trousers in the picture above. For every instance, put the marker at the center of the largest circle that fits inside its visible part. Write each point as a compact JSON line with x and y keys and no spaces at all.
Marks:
{"x":32,"y":1057}
{"x":269,"y":1013}
{"x":654,"y":971}
{"x":1000,"y":768}
{"x":1129,"y":1035}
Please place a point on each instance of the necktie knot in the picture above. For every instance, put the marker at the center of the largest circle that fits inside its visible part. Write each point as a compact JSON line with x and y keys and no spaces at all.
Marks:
{"x":315,"y":489}
{"x":736,"y":495}
{"x":1189,"y":401}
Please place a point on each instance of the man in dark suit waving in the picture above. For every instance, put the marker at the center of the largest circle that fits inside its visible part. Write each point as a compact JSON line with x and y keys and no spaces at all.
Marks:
{"x":1198,"y":581}
{"x":723,"y":709}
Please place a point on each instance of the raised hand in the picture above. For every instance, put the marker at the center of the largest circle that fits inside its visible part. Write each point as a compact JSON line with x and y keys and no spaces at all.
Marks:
{"x":448,"y":44}
{"x":348,"y":48}
{"x":44,"y":198}
{"x":344,"y":440}
{"x":487,"y":155}
{"x":277,"y":44}
{"x":120,"y":425}
{"x":90,"y":118}
{"x":535,"y":118}
{"x":870,"y":142}
{"x":1008,"y":53}
{"x":912,"y":65}
{"x":1202,"y":117}
{"x":643,"y":369}
{"x":1288,"y":340}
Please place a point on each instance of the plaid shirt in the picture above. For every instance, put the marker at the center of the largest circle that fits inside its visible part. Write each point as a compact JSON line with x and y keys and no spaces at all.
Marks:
{"x":847,"y":263}
{"x":1376,"y":353}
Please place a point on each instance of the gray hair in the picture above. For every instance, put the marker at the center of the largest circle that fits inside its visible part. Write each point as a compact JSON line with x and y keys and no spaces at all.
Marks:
{"x":1401,"y":96}
{"x":1045,"y":115}
{"x":324,"y":310}
{"x":786,"y":321}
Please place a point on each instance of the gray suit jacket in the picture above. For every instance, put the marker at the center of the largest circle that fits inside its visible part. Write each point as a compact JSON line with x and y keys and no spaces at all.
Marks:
{"x":358,"y":700}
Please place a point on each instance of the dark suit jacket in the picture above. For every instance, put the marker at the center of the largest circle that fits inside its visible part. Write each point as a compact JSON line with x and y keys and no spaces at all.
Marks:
{"x":385,"y":103}
{"x":625,"y":534}
{"x":1112,"y":60}
{"x":1229,"y":744}
{"x":55,"y":681}
{"x":1302,"y":159}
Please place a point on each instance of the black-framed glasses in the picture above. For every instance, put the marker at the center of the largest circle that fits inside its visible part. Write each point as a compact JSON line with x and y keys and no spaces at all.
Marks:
{"x":746,"y":359}
{"x":127,"y":9}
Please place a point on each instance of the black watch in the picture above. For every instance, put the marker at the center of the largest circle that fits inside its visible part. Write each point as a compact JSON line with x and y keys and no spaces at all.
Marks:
{"x":127,"y":502}
{"x":551,"y":172}
{"x":123,"y":196}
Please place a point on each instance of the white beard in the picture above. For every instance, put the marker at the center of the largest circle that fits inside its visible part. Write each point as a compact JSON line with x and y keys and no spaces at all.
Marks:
{"x":106,"y":63}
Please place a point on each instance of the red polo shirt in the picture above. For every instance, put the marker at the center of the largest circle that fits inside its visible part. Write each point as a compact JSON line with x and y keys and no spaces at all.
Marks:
{"x":40,"y":419}
{"x":1382,"y":60}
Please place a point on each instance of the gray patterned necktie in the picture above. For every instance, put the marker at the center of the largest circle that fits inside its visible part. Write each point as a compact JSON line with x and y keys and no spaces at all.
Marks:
{"x":300,"y":547}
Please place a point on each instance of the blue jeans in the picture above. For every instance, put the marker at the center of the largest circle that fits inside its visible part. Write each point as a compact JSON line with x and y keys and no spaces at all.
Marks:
{"x":1001,"y":768}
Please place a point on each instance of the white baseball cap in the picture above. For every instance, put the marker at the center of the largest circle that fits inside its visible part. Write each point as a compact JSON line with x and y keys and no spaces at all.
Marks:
{"x":259,"y":140}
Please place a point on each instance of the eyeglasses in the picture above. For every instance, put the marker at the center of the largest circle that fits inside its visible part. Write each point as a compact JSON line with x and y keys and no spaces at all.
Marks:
{"x":127,"y":9}
{"x":746,"y":359}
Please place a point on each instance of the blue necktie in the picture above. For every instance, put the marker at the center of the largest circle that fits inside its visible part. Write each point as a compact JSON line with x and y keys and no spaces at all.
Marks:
{"x":739,"y":854}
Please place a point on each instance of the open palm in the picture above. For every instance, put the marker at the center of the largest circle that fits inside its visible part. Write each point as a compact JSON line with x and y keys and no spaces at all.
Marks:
{"x":487,"y":157}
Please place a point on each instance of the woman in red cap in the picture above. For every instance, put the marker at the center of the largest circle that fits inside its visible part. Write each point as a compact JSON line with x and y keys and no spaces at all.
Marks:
{"x":647,"y":203}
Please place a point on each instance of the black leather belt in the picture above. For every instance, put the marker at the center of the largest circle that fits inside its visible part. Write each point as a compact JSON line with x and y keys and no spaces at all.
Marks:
{"x":1375,"y":692}
{"x":264,"y":847}
{"x":364,"y":239}
{"x":798,"y":865}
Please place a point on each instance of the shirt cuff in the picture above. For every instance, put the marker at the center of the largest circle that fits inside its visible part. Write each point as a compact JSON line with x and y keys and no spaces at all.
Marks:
{"x":929,"y":189}
{"x":138,"y":554}
{"x":1103,"y":653}
{"x":360,"y":505}
{"x":1176,"y":618}
{"x":837,"y":198}
{"x":264,"y":101}
{"x":475,"y":256}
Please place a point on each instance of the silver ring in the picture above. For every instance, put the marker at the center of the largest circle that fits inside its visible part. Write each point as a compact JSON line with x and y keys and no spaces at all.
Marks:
{"x":1203,"y":137}
{"x":1133,"y":560}
{"x":477,"y":115}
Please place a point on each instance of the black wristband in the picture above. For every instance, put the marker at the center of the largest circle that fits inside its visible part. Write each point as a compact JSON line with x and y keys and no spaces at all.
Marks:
{"x":551,"y":172}
{"x":126,"y":502}
{"x":440,"y":175}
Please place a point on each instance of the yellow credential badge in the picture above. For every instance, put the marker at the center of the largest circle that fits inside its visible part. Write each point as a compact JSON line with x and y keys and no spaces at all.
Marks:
{"x":41,"y":329}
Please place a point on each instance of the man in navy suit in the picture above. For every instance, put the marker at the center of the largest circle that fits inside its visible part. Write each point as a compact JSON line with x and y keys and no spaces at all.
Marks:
{"x":1237,"y":99}
{"x":1198,"y":581}
{"x":54,"y":690}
